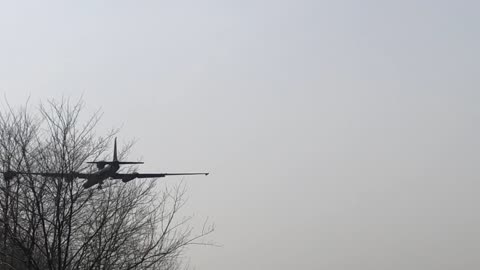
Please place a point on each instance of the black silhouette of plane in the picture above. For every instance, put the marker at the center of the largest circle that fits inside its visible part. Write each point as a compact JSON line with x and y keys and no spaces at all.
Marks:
{"x":106,"y":170}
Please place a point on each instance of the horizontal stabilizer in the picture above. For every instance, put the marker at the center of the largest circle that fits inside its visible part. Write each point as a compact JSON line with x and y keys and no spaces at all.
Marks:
{"x":114,"y":162}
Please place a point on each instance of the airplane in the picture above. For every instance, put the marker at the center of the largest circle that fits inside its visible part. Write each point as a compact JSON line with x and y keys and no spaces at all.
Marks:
{"x":106,"y":170}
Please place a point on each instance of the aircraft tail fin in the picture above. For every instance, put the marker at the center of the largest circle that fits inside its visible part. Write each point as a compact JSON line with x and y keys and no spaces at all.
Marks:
{"x":115,"y":150}
{"x":102,"y":163}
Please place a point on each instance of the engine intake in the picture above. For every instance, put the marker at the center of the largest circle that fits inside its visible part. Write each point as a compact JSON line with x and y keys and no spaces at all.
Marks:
{"x":101,"y":165}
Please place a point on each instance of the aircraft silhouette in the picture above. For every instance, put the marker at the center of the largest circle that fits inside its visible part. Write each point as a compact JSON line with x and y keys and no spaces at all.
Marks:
{"x":106,"y":170}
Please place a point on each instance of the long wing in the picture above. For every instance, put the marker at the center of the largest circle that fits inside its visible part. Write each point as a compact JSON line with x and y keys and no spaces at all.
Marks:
{"x":151,"y":175}
{"x":71,"y":175}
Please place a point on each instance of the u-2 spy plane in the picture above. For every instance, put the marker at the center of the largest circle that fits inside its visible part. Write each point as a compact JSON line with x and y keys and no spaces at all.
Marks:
{"x":106,"y":170}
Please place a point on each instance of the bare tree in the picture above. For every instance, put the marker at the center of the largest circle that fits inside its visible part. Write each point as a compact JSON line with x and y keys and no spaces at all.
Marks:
{"x":54,"y":223}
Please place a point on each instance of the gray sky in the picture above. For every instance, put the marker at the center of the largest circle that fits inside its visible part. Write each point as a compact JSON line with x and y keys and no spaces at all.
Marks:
{"x":339,"y":134}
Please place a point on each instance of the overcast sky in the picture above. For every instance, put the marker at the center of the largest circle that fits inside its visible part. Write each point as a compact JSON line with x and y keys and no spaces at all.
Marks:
{"x":339,"y":134}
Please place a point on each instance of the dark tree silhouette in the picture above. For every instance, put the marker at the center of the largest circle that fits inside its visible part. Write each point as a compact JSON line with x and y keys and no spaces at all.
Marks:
{"x":54,"y":223}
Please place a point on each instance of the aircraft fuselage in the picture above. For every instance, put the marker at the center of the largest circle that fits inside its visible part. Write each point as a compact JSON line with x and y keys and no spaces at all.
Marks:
{"x":97,"y":177}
